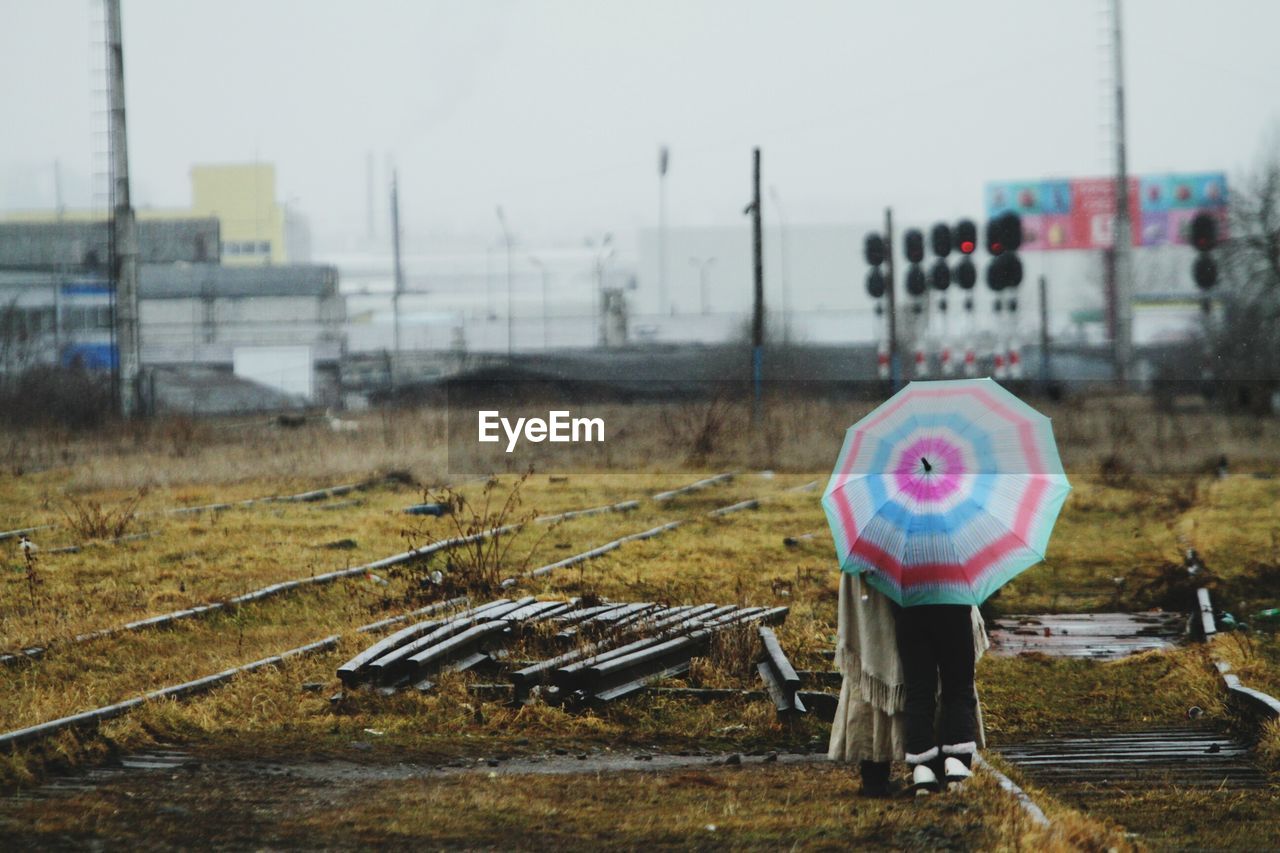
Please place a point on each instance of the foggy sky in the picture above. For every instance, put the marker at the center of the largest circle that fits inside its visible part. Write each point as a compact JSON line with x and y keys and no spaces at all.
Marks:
{"x":556,"y":109}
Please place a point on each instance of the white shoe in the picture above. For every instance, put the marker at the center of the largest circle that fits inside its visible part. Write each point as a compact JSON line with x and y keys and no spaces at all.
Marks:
{"x":923,"y":780}
{"x":955,"y":771}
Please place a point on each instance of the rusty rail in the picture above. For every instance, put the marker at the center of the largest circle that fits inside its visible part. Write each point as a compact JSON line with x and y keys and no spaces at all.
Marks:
{"x":662,"y":497}
{"x":779,"y":676}
{"x":164,"y":619}
{"x":186,"y":689}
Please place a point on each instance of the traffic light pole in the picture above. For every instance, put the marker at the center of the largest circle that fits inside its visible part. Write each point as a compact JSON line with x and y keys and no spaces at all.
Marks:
{"x":757,"y":314}
{"x":892,"y":299}
{"x":1044,"y":334}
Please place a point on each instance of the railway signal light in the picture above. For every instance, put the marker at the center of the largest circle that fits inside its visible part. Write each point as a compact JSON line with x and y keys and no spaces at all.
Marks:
{"x":940,"y":275}
{"x":940,"y":240}
{"x":1005,"y":272}
{"x":1004,"y":238}
{"x":1004,"y":234}
{"x":915,"y":280}
{"x":966,"y":236}
{"x":1204,"y":232}
{"x":913,"y":241}
{"x":873,"y":250}
{"x":1205,"y":271}
{"x":875,"y":283}
{"x":966,"y":274}
{"x":1204,"y":236}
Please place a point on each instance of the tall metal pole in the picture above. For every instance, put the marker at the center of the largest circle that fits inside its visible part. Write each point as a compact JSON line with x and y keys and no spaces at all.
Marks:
{"x":893,"y":299}
{"x":124,"y":235}
{"x":57,"y":190}
{"x":1044,"y":332}
{"x":368,"y":188}
{"x":757,"y":318}
{"x":1122,"y":231}
{"x":663,"y":162}
{"x":542,"y":269}
{"x":399,"y":274}
{"x":704,"y":297}
{"x":506,"y":236}
{"x":786,"y":276}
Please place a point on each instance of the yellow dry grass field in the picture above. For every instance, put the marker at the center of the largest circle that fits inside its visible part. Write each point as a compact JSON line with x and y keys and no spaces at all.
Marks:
{"x":1145,"y":492}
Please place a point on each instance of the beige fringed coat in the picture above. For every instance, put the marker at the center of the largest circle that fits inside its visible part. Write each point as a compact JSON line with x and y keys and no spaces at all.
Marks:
{"x":868,"y":725}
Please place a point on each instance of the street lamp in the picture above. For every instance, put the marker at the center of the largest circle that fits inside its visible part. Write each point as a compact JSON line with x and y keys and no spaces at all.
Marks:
{"x":506,"y":235}
{"x":786,"y":301}
{"x":542,"y":268}
{"x":604,"y":252}
{"x":704,"y":266}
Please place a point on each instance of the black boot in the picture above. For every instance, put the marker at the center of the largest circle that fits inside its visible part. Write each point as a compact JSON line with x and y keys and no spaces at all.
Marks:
{"x":875,"y":778}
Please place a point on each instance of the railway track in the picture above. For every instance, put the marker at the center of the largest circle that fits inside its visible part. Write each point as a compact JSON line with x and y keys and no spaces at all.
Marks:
{"x":33,"y":653}
{"x":94,"y":716}
{"x":1148,"y":778}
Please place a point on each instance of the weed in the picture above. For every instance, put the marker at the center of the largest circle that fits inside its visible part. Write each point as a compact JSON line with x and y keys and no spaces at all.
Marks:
{"x":480,"y":563}
{"x":699,"y":428}
{"x":734,"y":650}
{"x":1116,"y":472}
{"x":89,"y":518}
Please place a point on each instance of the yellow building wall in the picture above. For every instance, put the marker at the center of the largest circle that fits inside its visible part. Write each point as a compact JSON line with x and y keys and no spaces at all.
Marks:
{"x":243,"y":198}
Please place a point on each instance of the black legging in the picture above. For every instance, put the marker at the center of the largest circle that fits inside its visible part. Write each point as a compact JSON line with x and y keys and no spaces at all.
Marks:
{"x":935,"y":643}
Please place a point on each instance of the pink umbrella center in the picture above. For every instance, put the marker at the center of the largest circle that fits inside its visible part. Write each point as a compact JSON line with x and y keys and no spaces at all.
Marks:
{"x":929,"y":469}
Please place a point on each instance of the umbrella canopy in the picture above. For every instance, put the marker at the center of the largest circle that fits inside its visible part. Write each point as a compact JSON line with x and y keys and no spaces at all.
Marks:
{"x":945,"y":492}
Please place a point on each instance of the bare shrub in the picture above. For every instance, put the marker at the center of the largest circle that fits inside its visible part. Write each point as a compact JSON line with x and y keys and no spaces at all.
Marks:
{"x":179,"y":434}
{"x":699,"y":428}
{"x":1181,"y":495}
{"x":56,"y":396}
{"x":1116,"y":472}
{"x":733,"y":650}
{"x":478,"y":563}
{"x":94,"y":519}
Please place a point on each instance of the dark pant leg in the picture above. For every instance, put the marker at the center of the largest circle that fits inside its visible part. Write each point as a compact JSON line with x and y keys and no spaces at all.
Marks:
{"x":953,"y":637}
{"x":920,"y":674}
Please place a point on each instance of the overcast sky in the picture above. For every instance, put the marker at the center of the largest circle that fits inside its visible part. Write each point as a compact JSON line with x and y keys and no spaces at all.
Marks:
{"x":556,"y":109}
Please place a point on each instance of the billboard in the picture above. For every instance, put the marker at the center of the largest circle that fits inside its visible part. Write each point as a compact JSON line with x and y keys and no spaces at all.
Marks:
{"x":1077,"y":213}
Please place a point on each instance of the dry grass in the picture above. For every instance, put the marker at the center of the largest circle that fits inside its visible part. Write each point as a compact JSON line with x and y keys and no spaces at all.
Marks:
{"x":87,"y":518}
{"x":758,"y":807}
{"x":1143,"y":494}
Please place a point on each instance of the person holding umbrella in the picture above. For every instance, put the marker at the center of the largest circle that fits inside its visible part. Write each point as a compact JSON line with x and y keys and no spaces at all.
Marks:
{"x":871,"y":727}
{"x":939,"y":497}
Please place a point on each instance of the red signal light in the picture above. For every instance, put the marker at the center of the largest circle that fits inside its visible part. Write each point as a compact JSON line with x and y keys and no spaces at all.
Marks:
{"x":997,"y":248}
{"x":967,"y":247}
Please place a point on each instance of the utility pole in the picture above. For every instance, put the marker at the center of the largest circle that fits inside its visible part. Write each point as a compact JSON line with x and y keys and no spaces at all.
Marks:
{"x":664,"y":160}
{"x":704,"y":266}
{"x":1044,"y":332}
{"x":786,"y":274}
{"x":57,"y":190}
{"x":1122,"y":237}
{"x":506,"y":236}
{"x":371,"y":233}
{"x":892,"y":300}
{"x":124,"y":234}
{"x":542,"y":269}
{"x":399,"y":274}
{"x":757,"y":317}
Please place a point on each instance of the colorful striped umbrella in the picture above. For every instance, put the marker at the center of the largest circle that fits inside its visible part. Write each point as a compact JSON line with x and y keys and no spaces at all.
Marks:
{"x":945,"y":492}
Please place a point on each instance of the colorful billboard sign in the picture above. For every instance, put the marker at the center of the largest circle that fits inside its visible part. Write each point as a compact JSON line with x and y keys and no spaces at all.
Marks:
{"x":1078,"y":213}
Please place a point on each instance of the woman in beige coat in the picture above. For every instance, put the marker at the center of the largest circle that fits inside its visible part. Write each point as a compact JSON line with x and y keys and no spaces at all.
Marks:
{"x":868,"y":726}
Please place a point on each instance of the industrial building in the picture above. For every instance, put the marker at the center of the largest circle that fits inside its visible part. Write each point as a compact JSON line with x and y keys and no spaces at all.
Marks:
{"x":221,"y":296}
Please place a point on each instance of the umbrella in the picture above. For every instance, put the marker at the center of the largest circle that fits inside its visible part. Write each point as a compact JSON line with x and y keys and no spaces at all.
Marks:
{"x":945,"y":492}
